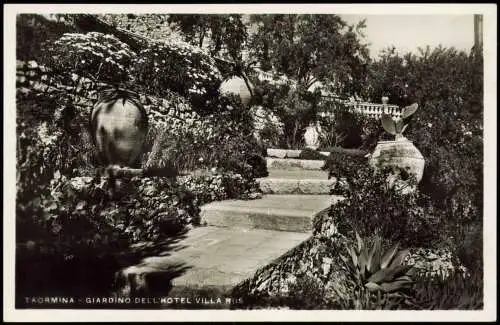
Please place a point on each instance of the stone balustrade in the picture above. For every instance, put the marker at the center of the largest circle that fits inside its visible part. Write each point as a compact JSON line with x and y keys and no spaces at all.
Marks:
{"x":371,"y":110}
{"x":376,"y":110}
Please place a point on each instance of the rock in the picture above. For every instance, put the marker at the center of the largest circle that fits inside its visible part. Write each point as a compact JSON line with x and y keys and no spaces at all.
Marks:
{"x":80,"y":184}
{"x":277,"y":153}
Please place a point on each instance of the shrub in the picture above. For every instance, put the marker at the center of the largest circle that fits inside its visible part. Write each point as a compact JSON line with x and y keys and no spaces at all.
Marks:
{"x":223,"y":140}
{"x":342,"y":164}
{"x":268,"y":128}
{"x":306,"y":293}
{"x":216,"y":186}
{"x":74,"y":222}
{"x":448,"y":130}
{"x":371,"y":205}
{"x":311,"y":154}
{"x":436,"y":263}
{"x":348,"y":128}
{"x":179,"y":67}
{"x":295,"y":108}
{"x":96,"y":56}
{"x":343,"y":127}
{"x":455,"y":292}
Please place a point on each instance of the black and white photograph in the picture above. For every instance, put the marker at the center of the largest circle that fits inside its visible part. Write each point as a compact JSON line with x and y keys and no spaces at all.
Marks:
{"x":264,"y":160}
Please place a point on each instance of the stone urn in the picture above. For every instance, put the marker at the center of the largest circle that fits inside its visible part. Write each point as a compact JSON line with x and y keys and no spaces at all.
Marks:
{"x":399,"y":153}
{"x":311,"y":136}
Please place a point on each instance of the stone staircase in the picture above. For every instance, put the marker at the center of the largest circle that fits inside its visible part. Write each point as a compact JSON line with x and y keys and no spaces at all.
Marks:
{"x":239,"y":236}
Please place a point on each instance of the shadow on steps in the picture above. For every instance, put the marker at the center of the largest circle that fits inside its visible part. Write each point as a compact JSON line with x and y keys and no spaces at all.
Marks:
{"x":42,"y":280}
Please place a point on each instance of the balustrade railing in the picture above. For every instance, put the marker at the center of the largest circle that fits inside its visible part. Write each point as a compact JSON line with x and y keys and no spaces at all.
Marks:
{"x":376,"y":110}
{"x":371,"y":110}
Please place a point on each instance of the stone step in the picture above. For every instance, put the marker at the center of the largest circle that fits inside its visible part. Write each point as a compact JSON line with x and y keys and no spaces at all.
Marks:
{"x":296,"y":182}
{"x":289,"y":153}
{"x":207,"y":262}
{"x":298,"y":174}
{"x":273,"y":212}
{"x":294,"y":164}
{"x":295,"y":186}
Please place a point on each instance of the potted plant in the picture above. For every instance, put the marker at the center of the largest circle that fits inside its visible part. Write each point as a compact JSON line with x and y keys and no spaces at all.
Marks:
{"x":401,"y":152}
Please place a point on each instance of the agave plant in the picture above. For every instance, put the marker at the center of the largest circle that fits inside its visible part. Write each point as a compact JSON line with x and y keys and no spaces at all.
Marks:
{"x":376,"y":270}
{"x":397,"y":127}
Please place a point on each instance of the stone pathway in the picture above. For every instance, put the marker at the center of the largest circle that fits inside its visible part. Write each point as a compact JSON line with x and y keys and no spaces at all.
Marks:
{"x":238,"y":236}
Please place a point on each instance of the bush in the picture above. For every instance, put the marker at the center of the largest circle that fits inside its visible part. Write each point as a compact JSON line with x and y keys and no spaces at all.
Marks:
{"x":455,"y":292}
{"x":343,"y":127}
{"x":343,"y":164}
{"x":95,"y":56}
{"x":179,"y":67}
{"x":74,"y":222}
{"x":217,"y":186}
{"x":268,"y":128}
{"x":294,"y":108}
{"x":346,"y":127}
{"x":372,"y":206}
{"x":223,"y":140}
{"x":448,"y":129}
{"x":311,"y":154}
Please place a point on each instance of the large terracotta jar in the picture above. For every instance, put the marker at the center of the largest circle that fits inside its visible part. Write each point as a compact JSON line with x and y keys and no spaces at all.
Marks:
{"x":399,"y":153}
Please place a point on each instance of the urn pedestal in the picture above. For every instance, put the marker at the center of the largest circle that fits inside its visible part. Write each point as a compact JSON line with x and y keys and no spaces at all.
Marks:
{"x":401,"y":153}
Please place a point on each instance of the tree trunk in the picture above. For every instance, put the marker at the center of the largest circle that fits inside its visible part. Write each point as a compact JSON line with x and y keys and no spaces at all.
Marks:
{"x":202,"y":37}
{"x":90,"y":23}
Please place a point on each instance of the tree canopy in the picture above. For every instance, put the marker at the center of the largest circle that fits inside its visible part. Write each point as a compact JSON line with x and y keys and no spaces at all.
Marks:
{"x":225,"y":35}
{"x":311,"y":48}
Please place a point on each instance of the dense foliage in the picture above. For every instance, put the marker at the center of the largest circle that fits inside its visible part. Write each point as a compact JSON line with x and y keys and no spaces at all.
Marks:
{"x":311,"y":48}
{"x":178,"y":67}
{"x":95,"y":56}
{"x":225,"y":34}
{"x":448,"y":130}
{"x":372,"y":206}
{"x":33,"y":30}
{"x":66,"y":220}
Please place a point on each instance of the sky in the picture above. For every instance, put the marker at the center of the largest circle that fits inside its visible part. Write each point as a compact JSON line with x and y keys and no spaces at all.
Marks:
{"x":408,"y":32}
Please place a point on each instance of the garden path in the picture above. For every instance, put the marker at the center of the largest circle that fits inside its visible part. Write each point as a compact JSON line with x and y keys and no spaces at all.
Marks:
{"x":238,"y":237}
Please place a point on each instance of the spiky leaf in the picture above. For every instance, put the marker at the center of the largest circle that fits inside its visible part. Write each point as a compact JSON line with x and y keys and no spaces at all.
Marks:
{"x":400,"y":256}
{"x":403,"y":128}
{"x":388,"y":274}
{"x":360,"y":242}
{"x":363,"y":260}
{"x":388,"y":256}
{"x":373,"y":287}
{"x":404,"y":278}
{"x":374,"y":258}
{"x":394,"y":286}
{"x":388,"y":124}
{"x":409,"y":110}
{"x":399,"y":124}
{"x":344,"y":259}
{"x":354,"y":257}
